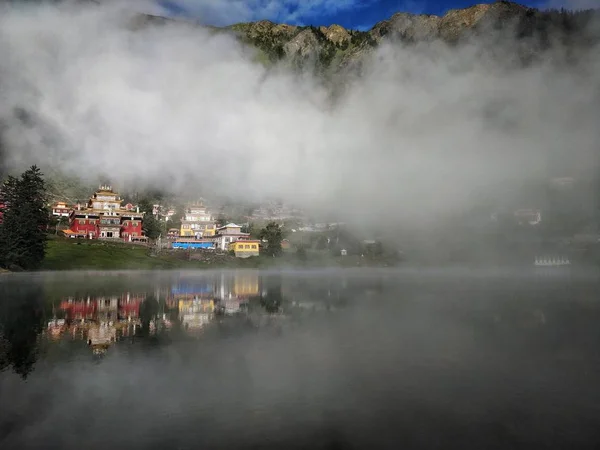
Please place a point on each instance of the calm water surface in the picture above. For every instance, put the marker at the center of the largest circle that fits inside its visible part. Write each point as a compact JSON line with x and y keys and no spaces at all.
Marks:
{"x":322,"y":359}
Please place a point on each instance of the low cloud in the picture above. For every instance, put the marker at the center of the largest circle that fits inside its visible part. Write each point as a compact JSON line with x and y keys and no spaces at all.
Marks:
{"x":424,"y":132}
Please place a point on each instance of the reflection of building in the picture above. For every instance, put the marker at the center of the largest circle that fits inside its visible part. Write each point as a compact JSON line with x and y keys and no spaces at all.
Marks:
{"x":101,"y":337}
{"x":56,"y":328}
{"x":242,"y":284}
{"x":195,"y":302}
{"x":196,"y":314}
{"x":79,"y":309}
{"x":107,"y":308}
{"x":129,"y":306}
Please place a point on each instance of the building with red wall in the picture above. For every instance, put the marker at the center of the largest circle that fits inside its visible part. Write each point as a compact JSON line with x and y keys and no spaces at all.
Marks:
{"x":131,"y":225}
{"x":104,"y":218}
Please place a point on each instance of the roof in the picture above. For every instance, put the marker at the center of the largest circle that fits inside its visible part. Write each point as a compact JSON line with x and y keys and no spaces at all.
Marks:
{"x":71,"y":232}
{"x":230,"y":225}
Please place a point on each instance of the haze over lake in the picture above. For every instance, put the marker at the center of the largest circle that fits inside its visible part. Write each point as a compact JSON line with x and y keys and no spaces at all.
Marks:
{"x":329,"y":359}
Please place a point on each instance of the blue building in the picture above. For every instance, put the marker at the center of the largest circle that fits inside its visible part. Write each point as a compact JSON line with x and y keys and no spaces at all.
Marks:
{"x":208,"y":245}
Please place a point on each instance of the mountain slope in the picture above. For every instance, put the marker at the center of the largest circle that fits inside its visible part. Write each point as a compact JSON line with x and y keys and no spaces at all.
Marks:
{"x":520,"y":29}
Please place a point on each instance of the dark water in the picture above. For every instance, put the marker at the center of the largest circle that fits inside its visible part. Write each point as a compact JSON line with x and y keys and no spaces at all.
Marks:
{"x":316,"y":360}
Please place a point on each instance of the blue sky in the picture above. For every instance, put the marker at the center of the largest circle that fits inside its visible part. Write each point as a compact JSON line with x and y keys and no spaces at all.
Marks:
{"x":357,"y":14}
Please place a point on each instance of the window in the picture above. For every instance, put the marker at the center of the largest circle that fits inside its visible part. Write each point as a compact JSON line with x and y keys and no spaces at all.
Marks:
{"x":247,"y":246}
{"x":81,"y":221}
{"x":254,"y":246}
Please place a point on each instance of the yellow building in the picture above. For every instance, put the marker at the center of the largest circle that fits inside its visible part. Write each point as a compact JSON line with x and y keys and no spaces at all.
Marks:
{"x":197,"y":222}
{"x":245,"y":249}
{"x":210,"y":230}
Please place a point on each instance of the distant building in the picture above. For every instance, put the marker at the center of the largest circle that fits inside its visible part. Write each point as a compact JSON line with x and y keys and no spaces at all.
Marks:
{"x":189,"y":244}
{"x":528,"y":216}
{"x":563,"y":182}
{"x":228,"y":234}
{"x":104,"y":218}
{"x":60,"y":209}
{"x":170,"y":213}
{"x":173,"y":233}
{"x":197,"y":222}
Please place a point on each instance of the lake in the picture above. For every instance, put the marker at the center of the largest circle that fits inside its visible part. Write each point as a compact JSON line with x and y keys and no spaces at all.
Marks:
{"x":324,"y":359}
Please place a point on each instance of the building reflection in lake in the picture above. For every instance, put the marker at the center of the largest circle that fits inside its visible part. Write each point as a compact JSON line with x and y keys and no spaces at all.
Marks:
{"x":190,"y":302}
{"x":99,"y":320}
{"x":199,"y":300}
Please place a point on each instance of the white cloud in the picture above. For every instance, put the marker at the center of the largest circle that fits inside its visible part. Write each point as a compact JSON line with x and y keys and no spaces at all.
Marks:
{"x":226,"y":12}
{"x":420,"y":135}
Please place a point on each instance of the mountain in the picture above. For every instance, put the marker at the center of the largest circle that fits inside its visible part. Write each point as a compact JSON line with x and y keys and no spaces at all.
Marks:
{"x":517,"y":33}
{"x":500,"y":27}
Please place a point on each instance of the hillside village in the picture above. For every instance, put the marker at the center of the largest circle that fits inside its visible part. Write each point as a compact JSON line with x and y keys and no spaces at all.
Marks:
{"x":104,"y":217}
{"x":556,"y":228}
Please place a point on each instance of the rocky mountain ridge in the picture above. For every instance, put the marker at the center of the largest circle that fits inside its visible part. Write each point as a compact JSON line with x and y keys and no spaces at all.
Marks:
{"x":527,"y":31}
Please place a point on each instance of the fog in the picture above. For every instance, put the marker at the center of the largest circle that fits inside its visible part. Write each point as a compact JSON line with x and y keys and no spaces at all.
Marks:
{"x":421,"y":133}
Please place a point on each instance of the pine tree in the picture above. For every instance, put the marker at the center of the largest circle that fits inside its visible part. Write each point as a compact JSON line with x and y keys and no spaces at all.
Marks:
{"x":151,"y":226}
{"x":273,"y":234}
{"x":25,"y":221}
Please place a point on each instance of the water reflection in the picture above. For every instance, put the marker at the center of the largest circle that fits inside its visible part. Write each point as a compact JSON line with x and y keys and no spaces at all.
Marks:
{"x":234,"y":359}
{"x":190,"y":305}
{"x":21,"y":319}
{"x":186,"y":305}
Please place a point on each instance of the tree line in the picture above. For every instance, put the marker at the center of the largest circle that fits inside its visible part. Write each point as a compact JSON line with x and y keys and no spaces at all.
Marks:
{"x":24,"y":221}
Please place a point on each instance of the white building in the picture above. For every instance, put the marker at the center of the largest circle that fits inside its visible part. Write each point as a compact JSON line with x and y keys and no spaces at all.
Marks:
{"x":228,"y":234}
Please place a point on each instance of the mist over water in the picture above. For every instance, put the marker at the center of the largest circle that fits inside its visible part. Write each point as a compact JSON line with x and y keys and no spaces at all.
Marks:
{"x":337,"y":359}
{"x":424,"y":132}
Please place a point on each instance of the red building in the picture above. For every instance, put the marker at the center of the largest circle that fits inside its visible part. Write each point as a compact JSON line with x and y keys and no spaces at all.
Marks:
{"x":131,"y":225}
{"x":104,"y":218}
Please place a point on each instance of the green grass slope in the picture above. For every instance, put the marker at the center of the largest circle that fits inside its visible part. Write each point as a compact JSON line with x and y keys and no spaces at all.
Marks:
{"x":75,"y":254}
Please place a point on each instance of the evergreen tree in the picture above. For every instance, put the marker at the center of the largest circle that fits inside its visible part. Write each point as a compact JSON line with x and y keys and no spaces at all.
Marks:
{"x":176,"y":219}
{"x":151,"y":226}
{"x":273,"y":234}
{"x":25,"y":221}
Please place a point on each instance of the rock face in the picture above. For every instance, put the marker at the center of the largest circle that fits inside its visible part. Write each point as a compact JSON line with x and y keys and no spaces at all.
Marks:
{"x":336,"y":34}
{"x":520,"y":31}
